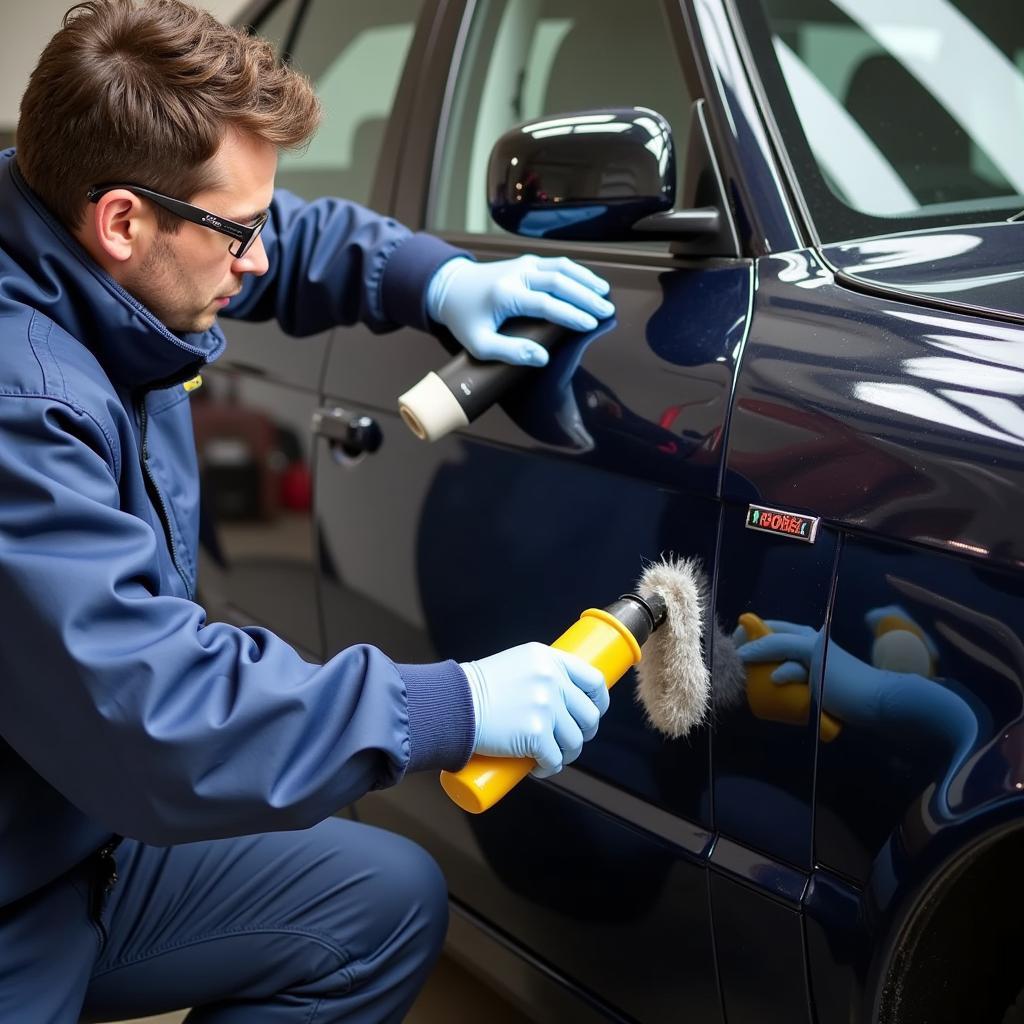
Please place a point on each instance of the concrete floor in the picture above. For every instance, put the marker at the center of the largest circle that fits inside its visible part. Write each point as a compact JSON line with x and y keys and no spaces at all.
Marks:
{"x":450,"y":996}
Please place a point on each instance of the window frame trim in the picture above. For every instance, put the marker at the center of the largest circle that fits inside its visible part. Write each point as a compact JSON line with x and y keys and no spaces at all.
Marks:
{"x":389,"y":157}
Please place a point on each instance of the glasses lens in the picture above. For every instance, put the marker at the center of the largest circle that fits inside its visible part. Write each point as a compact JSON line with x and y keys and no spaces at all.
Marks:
{"x":239,"y":249}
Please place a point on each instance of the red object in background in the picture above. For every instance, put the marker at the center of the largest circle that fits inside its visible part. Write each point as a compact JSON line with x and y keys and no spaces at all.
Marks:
{"x":235,"y":445}
{"x":297,"y":487}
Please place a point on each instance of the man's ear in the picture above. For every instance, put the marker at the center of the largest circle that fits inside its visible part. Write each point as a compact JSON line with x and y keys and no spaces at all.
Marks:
{"x":120,"y":224}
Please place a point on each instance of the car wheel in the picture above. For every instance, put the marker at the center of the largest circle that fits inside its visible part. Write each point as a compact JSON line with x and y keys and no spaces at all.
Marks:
{"x":1015,"y":1014}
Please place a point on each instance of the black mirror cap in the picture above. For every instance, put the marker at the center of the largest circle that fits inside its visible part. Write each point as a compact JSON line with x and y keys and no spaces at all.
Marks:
{"x":585,"y":176}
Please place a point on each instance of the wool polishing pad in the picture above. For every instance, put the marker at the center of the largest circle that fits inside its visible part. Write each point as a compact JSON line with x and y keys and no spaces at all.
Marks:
{"x":673,"y":682}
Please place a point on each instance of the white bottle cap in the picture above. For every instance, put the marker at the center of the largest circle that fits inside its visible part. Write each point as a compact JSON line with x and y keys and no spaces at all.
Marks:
{"x":430,"y":410}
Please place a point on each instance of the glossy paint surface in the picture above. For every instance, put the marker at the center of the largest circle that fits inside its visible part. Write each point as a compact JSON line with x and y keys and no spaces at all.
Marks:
{"x":760,"y":956}
{"x":838,"y":946}
{"x":781,"y":883}
{"x":504,"y":533}
{"x":645,"y":395}
{"x":925,"y":667}
{"x":904,"y":422}
{"x":764,"y":761}
{"x":622,"y":914}
{"x":975,"y":267}
{"x":900,"y":420}
{"x":547,"y":505}
{"x":683,"y":880}
{"x":936,"y":738}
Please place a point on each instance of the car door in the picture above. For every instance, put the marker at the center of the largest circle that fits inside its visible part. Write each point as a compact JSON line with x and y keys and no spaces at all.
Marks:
{"x":253,"y":415}
{"x":506,"y":531}
{"x":881,"y":390}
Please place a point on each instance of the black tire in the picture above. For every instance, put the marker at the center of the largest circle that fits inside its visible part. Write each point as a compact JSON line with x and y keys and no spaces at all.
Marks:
{"x":1015,"y":1013}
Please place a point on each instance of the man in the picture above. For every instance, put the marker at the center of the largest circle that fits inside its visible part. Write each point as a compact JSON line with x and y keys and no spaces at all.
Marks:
{"x":139,"y":204}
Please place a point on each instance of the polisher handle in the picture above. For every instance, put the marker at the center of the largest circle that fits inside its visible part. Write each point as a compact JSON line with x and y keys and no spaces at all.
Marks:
{"x":597,"y":638}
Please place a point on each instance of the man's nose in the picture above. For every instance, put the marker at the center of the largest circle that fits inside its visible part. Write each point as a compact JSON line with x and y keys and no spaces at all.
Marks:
{"x":253,"y":262}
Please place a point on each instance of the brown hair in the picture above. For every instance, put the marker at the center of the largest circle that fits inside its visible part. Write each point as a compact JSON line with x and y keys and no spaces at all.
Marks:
{"x":144,"y":93}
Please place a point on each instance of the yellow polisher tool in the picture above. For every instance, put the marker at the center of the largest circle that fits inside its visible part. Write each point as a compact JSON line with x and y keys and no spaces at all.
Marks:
{"x":611,"y":639}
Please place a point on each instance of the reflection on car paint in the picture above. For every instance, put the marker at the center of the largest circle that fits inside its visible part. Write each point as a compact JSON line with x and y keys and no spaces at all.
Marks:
{"x":934,"y":736}
{"x":764,"y":749}
{"x":824,"y":409}
{"x":874,"y":383}
{"x":977,"y":268}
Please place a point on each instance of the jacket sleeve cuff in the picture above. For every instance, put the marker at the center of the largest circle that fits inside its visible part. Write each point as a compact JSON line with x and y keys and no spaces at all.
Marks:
{"x":442,"y":725}
{"x":407,"y":275}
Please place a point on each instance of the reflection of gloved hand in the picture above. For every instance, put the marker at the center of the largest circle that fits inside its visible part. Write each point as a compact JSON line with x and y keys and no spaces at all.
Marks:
{"x":860,"y":694}
{"x":778,"y":693}
{"x":474,"y":299}
{"x":538,"y":702}
{"x":900,"y":643}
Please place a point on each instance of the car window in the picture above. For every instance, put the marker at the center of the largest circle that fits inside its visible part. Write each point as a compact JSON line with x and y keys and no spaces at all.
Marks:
{"x":354,"y":53}
{"x":903,"y":112}
{"x":275,"y":25}
{"x":531,"y":58}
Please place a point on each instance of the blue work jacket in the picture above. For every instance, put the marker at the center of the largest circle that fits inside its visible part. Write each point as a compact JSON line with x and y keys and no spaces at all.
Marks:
{"x":122,"y":710}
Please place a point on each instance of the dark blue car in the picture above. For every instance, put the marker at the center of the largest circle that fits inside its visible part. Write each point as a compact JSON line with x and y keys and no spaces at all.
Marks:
{"x":810,"y":212}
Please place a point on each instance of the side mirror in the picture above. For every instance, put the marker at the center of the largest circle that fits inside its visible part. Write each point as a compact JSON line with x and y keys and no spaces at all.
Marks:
{"x":597,"y":175}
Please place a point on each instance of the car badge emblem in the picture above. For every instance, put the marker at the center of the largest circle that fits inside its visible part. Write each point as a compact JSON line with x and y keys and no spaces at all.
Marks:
{"x":783,"y":524}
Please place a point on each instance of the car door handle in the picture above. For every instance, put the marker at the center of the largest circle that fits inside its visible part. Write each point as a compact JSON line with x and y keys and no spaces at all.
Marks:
{"x":354,"y":433}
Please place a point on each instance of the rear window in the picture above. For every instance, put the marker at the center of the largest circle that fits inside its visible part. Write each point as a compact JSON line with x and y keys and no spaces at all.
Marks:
{"x":896,"y":114}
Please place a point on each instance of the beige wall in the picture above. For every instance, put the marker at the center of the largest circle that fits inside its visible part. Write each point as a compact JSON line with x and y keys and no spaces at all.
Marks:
{"x":26,"y":28}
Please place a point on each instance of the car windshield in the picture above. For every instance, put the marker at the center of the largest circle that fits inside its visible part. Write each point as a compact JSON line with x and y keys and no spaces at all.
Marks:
{"x":896,"y":114}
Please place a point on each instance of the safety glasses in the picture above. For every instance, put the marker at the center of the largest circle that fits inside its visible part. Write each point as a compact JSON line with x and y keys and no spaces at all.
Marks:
{"x":244,"y":234}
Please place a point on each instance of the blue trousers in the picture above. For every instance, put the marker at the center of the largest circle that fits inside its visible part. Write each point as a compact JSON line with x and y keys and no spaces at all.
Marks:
{"x":340,"y":922}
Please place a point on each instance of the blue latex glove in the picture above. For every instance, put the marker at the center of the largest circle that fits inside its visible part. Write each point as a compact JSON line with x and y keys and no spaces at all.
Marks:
{"x":474,"y":299}
{"x":537,"y":702}
{"x":547,"y":410}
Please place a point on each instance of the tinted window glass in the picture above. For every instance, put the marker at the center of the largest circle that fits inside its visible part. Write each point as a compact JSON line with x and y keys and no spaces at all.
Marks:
{"x":531,"y":58}
{"x":354,"y":53}
{"x":897,"y":115}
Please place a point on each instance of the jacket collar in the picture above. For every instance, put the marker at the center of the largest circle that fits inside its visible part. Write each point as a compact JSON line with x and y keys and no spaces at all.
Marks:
{"x":44,"y":267}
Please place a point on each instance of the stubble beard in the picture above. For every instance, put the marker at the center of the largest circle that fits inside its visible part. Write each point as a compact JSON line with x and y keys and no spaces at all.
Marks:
{"x":162,"y":286}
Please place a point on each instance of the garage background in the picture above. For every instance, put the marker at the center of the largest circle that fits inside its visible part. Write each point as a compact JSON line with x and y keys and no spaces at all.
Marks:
{"x":27,"y":28}
{"x":451,"y":993}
